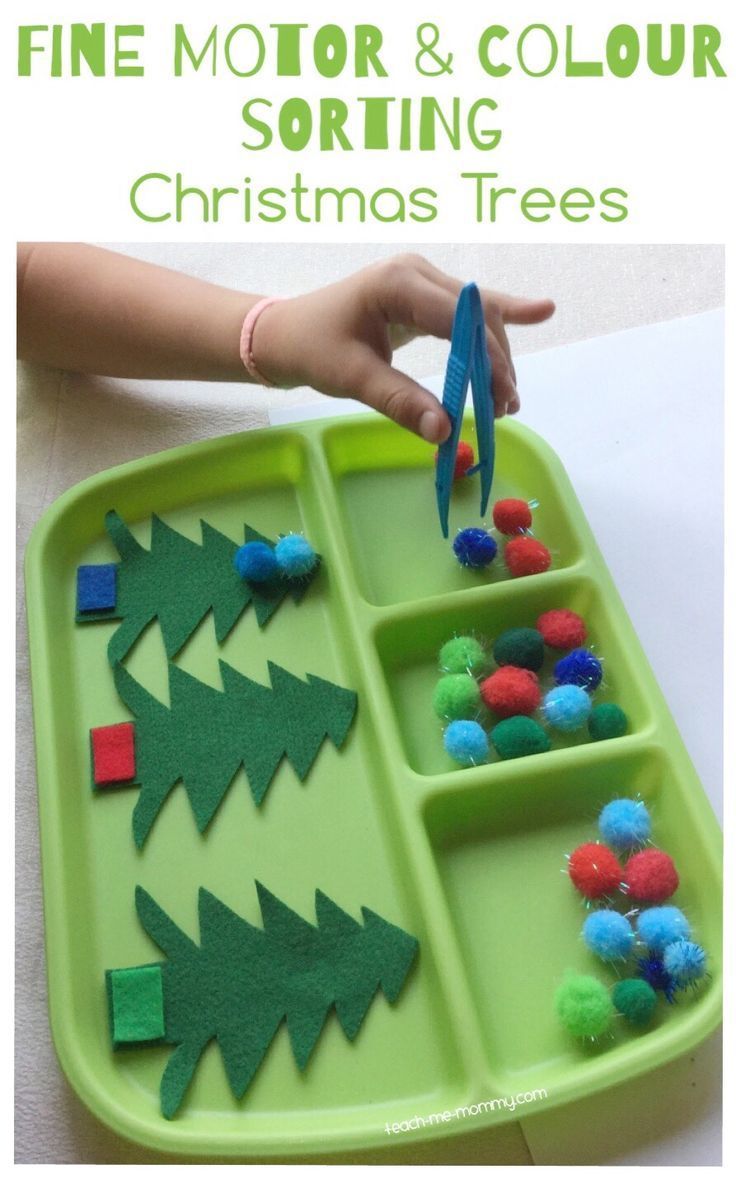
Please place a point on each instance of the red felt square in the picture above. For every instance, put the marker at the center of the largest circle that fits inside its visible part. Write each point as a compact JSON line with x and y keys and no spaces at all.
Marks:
{"x":113,"y":753}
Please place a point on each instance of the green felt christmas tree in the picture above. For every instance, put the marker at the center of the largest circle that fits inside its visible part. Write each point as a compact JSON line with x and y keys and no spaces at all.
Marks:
{"x":178,"y":581}
{"x":241,"y":982}
{"x":207,"y":734}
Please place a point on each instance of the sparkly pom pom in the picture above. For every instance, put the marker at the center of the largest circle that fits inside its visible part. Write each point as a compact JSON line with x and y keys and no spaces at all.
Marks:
{"x":466,"y":743}
{"x":456,"y":696}
{"x":625,"y":824}
{"x":512,"y":516}
{"x":636,"y":1000}
{"x":651,"y":969}
{"x":524,"y":555}
{"x":609,"y":935}
{"x":510,"y":691}
{"x":521,"y":646}
{"x":256,"y":562}
{"x":518,"y":736}
{"x":684,"y":962}
{"x":295,"y":555}
{"x":659,"y":927}
{"x":594,"y":870}
{"x":607,"y":720}
{"x":581,"y":667}
{"x":474,"y":548}
{"x":462,"y":654}
{"x":567,"y":708}
{"x":562,"y":629}
{"x":650,"y":876}
{"x":584,"y":1006}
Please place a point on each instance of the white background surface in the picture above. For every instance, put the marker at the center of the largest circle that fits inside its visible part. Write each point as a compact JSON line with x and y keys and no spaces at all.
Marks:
{"x":637,"y":420}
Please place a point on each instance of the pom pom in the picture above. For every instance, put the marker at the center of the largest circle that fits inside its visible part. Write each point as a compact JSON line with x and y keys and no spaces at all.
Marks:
{"x":636,"y":1000}
{"x":519,"y":736}
{"x":684,"y":962}
{"x":462,"y":654}
{"x":456,"y":696}
{"x":567,"y":708}
{"x":607,"y":720}
{"x":651,"y":969}
{"x":512,"y":516}
{"x":594,"y":870}
{"x":581,"y":667}
{"x":510,"y":691}
{"x":466,"y":743}
{"x":562,"y":629}
{"x":609,"y":935}
{"x":659,"y":927}
{"x":584,"y":1006}
{"x":625,"y":824}
{"x":525,"y":555}
{"x":295,"y":555}
{"x":650,"y":876}
{"x":256,"y":562}
{"x":520,"y":646}
{"x":464,"y":459}
{"x":474,"y":548}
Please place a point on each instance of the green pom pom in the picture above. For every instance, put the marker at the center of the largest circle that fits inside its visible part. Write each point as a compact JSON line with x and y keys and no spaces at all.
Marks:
{"x":519,"y":736}
{"x":462,"y":654}
{"x":636,"y":1000}
{"x":584,"y":1006}
{"x":520,"y":646}
{"x":607,"y":721}
{"x":456,"y":696}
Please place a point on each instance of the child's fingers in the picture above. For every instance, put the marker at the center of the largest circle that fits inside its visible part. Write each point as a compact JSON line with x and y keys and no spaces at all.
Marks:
{"x":394,"y":394}
{"x":522,"y":311}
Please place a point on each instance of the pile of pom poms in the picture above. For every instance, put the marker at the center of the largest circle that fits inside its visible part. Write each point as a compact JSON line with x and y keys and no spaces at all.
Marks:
{"x":476,"y":548}
{"x":291,"y":557}
{"x":492,"y":699}
{"x":646,"y":942}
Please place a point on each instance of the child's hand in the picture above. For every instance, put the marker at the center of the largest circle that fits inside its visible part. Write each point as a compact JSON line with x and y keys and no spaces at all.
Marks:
{"x":340,"y":339}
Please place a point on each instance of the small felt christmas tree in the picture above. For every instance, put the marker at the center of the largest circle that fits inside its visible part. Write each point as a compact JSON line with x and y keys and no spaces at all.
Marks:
{"x":176,"y":581}
{"x":241,"y":982}
{"x":207,"y":734}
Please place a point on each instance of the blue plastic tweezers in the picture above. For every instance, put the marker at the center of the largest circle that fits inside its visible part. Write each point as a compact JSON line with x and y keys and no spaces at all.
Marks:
{"x":469,"y":363}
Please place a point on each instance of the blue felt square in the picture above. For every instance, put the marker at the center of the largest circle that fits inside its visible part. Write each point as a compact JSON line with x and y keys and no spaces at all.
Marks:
{"x":96,"y":587}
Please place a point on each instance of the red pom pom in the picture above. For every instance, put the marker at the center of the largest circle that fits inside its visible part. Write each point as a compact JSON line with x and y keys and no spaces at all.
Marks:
{"x":464,"y":459}
{"x":594,"y":870}
{"x":562,"y":629}
{"x":512,"y":516}
{"x":510,"y":691}
{"x":651,"y":876}
{"x":525,"y":555}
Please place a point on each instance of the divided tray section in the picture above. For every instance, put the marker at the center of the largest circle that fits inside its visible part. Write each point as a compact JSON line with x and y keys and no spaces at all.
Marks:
{"x":384,"y":496}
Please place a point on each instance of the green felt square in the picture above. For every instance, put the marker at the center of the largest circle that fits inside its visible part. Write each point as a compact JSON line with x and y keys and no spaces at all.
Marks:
{"x":137,"y":1004}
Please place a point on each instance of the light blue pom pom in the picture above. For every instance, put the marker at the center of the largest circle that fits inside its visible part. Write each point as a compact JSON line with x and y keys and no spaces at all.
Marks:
{"x":609,"y":935}
{"x":659,"y":927}
{"x":685,"y":962}
{"x":466,"y":742}
{"x":625,"y":824}
{"x":256,"y":562}
{"x":295,"y":555}
{"x":567,"y":707}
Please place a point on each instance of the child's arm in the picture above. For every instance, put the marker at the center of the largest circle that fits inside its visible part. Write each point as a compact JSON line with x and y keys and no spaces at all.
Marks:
{"x":85,"y":309}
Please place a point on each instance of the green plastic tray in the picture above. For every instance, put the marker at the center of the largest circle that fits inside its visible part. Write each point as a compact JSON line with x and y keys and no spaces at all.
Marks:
{"x":469,"y":861}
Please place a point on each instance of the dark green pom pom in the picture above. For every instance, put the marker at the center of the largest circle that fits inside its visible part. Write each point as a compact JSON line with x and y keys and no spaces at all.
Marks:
{"x":520,"y":646}
{"x":519,"y":736}
{"x":635,"y":999}
{"x":607,"y":720}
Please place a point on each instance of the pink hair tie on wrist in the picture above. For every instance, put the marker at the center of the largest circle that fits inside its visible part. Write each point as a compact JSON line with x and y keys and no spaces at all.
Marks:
{"x":246,"y":339}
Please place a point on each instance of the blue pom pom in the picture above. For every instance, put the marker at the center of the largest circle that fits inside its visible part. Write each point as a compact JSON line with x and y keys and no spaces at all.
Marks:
{"x":609,"y":935}
{"x":684,"y":961}
{"x":625,"y":824}
{"x":466,"y":742}
{"x":256,"y":562}
{"x":295,"y":555}
{"x":567,"y":708}
{"x":579,"y":667}
{"x":474,"y":548}
{"x":651,"y":969}
{"x":659,"y":927}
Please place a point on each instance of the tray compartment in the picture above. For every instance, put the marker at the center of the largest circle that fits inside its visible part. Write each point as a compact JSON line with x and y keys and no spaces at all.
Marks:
{"x":385,"y":495}
{"x":408,"y":645}
{"x":500,"y":854}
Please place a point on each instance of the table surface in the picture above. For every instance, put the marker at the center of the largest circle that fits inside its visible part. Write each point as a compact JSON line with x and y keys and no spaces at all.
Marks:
{"x":636,"y":417}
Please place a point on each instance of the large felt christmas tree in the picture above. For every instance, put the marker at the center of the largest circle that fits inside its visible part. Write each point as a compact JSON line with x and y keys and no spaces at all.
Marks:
{"x":241,"y":982}
{"x":207,"y":734}
{"x":177,"y":581}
